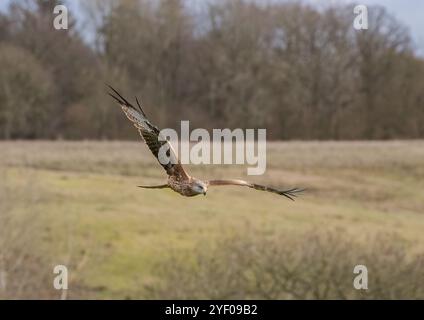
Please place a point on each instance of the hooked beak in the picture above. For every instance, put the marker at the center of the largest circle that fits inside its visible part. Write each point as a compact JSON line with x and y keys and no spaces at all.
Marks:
{"x":204,"y":193}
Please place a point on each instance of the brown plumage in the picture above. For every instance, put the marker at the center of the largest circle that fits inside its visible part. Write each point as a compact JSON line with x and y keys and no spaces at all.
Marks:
{"x":178,"y":179}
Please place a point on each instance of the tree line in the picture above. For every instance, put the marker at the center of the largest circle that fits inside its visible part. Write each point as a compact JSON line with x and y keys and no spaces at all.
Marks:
{"x":299,"y":71}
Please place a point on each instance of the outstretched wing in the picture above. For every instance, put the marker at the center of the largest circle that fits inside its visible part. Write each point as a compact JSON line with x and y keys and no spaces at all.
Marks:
{"x":150,"y":134}
{"x":291,"y":193}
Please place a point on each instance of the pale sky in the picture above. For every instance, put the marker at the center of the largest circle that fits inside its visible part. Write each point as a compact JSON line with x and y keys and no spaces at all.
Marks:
{"x":410,"y":12}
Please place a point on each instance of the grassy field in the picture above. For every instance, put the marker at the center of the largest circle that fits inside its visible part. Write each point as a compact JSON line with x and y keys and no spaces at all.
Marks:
{"x":82,"y":208}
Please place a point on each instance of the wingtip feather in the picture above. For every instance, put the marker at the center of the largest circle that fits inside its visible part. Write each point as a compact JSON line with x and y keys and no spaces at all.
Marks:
{"x":121,"y":100}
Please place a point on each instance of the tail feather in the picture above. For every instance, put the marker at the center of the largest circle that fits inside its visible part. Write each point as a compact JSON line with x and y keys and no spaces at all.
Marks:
{"x":162,"y":186}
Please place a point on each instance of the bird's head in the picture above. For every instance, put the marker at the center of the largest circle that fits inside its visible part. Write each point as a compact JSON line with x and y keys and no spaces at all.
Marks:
{"x":200,"y":187}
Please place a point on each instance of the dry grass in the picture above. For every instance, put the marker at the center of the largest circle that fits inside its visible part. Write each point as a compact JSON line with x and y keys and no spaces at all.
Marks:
{"x":112,"y":234}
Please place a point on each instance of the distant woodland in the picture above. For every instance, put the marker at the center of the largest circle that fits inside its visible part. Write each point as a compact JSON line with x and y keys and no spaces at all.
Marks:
{"x":300,"y":71}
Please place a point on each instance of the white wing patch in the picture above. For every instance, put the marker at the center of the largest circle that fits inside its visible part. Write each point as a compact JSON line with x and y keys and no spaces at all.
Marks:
{"x":137,"y":118}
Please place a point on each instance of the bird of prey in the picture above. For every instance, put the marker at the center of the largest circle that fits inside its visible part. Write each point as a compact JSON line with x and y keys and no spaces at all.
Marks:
{"x":178,"y":179}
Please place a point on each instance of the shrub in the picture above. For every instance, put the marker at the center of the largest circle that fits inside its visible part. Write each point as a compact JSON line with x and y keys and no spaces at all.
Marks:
{"x":315,"y":265}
